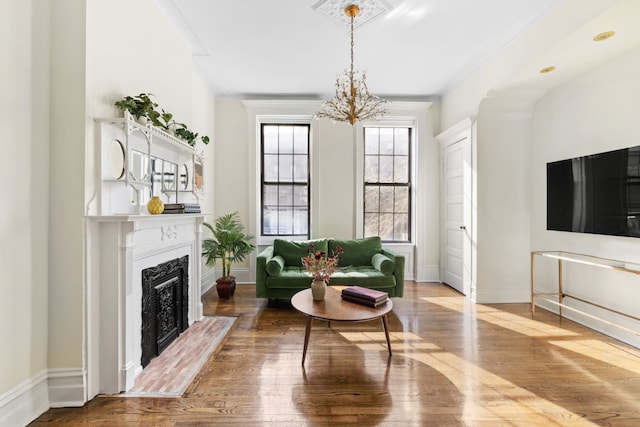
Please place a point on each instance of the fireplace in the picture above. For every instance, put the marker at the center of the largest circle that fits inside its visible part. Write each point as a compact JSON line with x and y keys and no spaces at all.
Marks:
{"x":123,"y":252}
{"x":165,"y":306}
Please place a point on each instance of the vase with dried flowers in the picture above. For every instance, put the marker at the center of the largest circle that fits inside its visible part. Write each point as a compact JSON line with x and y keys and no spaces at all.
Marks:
{"x":321,"y":266}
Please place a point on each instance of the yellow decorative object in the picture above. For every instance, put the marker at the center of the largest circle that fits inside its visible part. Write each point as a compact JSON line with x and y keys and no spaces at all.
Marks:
{"x":155,"y":206}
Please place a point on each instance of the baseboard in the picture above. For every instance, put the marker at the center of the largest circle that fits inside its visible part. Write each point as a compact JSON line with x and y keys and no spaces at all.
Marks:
{"x":596,"y":324}
{"x":66,"y":387}
{"x":408,"y":274}
{"x":207,"y":281}
{"x":429,"y":273}
{"x":243,"y":276}
{"x":503,"y":295}
{"x":25,"y":402}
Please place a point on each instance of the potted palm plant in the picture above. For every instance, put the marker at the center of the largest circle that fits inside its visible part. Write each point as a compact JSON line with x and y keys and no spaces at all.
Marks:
{"x":229,"y":244}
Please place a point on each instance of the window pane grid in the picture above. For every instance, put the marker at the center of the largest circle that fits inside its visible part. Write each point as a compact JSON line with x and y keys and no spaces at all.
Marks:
{"x":285,"y":180}
{"x":387,"y":183}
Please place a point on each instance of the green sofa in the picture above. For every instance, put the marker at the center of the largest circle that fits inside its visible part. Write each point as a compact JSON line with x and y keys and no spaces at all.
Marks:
{"x":280,"y":274}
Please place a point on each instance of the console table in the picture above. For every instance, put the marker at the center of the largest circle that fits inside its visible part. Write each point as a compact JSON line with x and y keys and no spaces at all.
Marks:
{"x":561,"y":256}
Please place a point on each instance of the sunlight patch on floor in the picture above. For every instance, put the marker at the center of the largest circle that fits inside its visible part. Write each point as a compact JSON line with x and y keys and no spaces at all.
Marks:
{"x":368,"y":341}
{"x":488,"y":387}
{"x":379,"y":336}
{"x":485,"y":392}
{"x":513,"y":322}
{"x":606,"y":386}
{"x":603,"y":352}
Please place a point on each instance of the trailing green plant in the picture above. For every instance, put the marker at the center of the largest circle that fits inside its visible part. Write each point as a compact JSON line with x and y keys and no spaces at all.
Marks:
{"x":229,"y":243}
{"x":165,"y":121}
{"x":143,"y":106}
{"x":189,"y":136}
{"x":139,"y":106}
{"x":154,"y":116}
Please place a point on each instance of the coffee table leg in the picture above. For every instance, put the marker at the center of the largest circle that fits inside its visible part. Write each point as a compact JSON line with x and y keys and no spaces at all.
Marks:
{"x":386,"y":332}
{"x":307,"y":332}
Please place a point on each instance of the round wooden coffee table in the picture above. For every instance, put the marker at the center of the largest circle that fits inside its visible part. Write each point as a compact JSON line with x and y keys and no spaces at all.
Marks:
{"x":334,"y":308}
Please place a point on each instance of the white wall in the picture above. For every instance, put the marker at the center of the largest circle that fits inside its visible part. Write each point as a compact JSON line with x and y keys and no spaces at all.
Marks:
{"x":231,"y":171}
{"x":334,"y":181}
{"x":24,"y":222}
{"x":502,"y":202}
{"x":132,"y":48}
{"x":558,"y":24}
{"x":333,"y":174}
{"x":66,"y":185}
{"x":203,"y":120}
{"x":228,"y":165}
{"x":594,"y":113}
{"x":501,"y":110}
{"x":69,"y":63}
{"x":590,"y":113}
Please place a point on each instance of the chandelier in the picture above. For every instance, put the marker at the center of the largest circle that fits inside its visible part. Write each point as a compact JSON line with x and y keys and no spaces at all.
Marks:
{"x":352,"y":101}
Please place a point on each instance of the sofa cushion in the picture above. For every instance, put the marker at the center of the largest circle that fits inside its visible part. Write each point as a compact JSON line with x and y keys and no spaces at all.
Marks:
{"x":383,"y":263}
{"x":299,"y":278}
{"x":291,"y":277}
{"x":275,"y":265}
{"x":357,"y":251}
{"x":293,"y":251}
{"x":365,"y":276}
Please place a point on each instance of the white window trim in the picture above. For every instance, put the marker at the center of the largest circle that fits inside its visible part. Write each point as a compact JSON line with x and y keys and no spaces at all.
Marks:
{"x":283,"y":112}
{"x":391,"y":121}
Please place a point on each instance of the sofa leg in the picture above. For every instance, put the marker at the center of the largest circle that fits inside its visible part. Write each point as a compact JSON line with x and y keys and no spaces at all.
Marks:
{"x":276,"y":302}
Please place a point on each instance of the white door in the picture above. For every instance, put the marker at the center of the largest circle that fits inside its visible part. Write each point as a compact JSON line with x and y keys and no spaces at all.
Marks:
{"x":456,"y":239}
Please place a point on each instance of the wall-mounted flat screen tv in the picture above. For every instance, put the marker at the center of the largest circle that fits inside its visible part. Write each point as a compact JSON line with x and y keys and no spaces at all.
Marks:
{"x":598,"y":194}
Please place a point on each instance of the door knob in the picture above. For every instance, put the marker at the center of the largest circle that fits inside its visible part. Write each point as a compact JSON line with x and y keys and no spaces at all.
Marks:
{"x":462,"y":227}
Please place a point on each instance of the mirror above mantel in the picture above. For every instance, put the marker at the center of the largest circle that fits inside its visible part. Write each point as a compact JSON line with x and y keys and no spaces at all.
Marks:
{"x":137,"y":162}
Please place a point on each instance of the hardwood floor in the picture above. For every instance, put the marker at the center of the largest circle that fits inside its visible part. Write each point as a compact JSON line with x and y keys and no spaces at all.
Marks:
{"x":454,"y":364}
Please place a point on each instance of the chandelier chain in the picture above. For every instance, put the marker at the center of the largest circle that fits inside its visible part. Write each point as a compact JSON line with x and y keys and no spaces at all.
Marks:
{"x":352,"y":18}
{"x":352,"y":100}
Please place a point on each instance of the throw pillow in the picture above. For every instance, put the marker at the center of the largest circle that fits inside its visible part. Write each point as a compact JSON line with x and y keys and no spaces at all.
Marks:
{"x":357,"y":252}
{"x":293,"y":251}
{"x":383,"y":264}
{"x":275,"y":266}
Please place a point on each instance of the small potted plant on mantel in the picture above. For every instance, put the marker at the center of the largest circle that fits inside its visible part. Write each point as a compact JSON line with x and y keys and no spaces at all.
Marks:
{"x":166,"y":122}
{"x":140,"y":106}
{"x":230,"y":244}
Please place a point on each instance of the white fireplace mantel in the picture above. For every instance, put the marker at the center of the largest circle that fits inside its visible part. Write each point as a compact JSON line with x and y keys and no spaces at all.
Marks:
{"x":118,"y":248}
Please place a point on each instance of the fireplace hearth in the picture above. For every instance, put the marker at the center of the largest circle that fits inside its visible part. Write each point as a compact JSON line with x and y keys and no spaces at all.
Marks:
{"x":165,"y":306}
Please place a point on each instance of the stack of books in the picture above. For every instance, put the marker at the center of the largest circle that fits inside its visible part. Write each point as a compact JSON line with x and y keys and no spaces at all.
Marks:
{"x":180,"y":208}
{"x":365,"y":296}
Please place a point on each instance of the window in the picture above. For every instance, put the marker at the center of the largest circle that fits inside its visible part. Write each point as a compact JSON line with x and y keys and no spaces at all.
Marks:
{"x":387,"y":183}
{"x":285,"y":179}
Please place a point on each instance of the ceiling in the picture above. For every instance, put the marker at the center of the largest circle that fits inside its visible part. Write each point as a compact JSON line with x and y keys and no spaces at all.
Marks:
{"x":420,"y":49}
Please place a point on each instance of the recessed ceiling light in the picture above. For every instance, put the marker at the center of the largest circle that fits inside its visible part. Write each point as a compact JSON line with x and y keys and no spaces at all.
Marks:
{"x":547,"y":69}
{"x":603,"y":36}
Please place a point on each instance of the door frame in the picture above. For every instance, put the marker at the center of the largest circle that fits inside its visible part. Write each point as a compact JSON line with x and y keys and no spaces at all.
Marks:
{"x":463,"y":131}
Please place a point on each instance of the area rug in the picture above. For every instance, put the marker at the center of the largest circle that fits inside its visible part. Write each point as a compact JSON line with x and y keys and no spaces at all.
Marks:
{"x":170,"y":373}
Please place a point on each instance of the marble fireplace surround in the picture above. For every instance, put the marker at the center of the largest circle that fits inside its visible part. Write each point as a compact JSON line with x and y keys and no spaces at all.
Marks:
{"x":119,"y":247}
